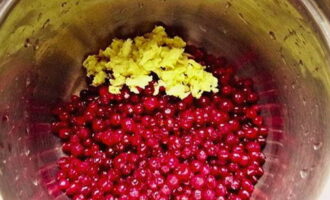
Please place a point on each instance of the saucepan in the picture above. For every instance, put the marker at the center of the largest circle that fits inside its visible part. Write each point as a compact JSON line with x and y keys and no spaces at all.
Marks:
{"x":284,"y":45}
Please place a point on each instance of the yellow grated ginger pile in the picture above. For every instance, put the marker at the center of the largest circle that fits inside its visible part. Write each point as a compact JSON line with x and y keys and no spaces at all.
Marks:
{"x":130,"y":62}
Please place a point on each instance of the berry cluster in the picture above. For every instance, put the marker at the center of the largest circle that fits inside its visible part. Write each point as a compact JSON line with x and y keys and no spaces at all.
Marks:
{"x":138,"y":147}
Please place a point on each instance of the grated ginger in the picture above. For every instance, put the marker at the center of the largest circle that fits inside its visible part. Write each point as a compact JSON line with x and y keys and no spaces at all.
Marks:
{"x":130,"y":62}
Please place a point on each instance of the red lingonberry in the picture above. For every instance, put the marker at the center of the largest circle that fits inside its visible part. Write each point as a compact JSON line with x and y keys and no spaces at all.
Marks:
{"x":145,"y":146}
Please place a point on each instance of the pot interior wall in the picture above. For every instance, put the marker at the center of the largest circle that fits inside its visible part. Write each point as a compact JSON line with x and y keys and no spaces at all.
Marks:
{"x":44,"y":42}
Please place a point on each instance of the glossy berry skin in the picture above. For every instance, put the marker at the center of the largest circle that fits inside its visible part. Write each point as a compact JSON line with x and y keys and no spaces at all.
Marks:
{"x":142,"y":146}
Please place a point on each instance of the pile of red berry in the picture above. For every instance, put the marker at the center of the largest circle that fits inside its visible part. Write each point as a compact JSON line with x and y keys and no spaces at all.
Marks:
{"x":138,"y":147}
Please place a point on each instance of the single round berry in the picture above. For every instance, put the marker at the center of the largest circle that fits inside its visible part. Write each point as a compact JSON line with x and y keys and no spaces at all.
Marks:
{"x":173,"y":181}
{"x":198,"y":182}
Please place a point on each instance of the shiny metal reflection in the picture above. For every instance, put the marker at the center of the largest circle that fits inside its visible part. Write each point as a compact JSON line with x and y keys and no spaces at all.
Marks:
{"x":44,"y":42}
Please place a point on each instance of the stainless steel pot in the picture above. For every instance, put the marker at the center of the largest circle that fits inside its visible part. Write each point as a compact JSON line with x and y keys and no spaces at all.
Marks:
{"x":42,"y":45}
